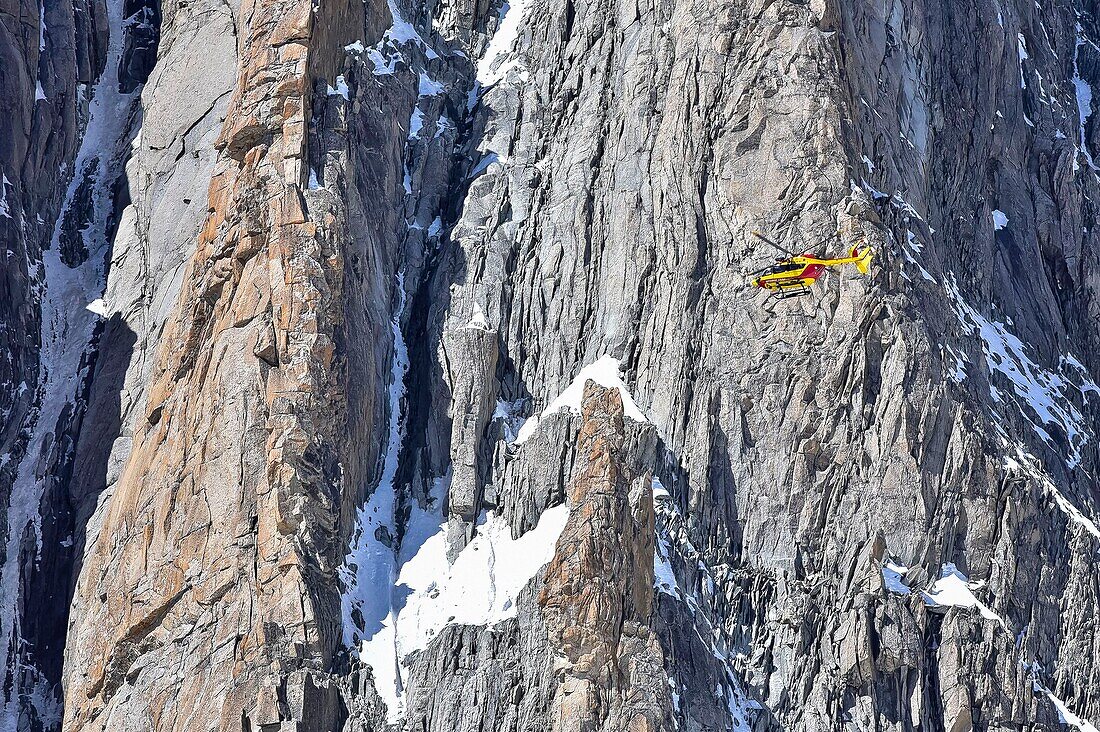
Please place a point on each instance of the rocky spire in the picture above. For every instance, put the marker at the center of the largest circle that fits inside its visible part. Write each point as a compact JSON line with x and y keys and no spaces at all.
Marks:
{"x":598,"y":591}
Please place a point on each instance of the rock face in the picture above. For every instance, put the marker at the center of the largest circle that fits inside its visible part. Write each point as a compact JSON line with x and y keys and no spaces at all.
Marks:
{"x":393,"y":365}
{"x":239,"y":556}
{"x":598,"y":591}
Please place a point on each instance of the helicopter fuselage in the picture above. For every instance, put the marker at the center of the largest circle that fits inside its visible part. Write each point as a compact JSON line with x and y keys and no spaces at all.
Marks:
{"x":795,"y":276}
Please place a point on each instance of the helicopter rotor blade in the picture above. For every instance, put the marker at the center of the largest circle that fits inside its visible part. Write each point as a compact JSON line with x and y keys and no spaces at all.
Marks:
{"x":765,"y":239}
{"x":815,"y":247}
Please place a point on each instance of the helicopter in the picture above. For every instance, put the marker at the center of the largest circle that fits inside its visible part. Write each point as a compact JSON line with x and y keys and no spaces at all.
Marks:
{"x":795,"y":275}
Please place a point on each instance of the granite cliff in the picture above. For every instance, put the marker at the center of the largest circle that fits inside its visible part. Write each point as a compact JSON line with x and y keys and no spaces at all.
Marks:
{"x":394,"y":366}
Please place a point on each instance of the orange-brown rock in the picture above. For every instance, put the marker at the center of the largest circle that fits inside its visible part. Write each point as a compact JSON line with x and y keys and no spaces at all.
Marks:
{"x":598,"y":593}
{"x":209,"y":599}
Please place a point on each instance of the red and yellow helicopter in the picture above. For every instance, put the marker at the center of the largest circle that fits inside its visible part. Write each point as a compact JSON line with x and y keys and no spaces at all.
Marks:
{"x":795,"y":275}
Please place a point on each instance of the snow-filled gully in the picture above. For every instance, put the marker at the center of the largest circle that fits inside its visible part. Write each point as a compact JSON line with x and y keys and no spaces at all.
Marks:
{"x":400,"y":594}
{"x":372,"y":563}
{"x":428,"y":591}
{"x":423,"y":591}
{"x":67,"y":328}
{"x":672,"y":540}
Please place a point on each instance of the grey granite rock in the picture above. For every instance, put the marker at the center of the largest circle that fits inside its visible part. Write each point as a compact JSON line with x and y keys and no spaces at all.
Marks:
{"x":456,"y":207}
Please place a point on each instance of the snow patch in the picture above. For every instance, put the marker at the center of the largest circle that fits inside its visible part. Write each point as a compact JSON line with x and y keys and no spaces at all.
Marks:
{"x":1026,"y":463}
{"x":1000,"y":220}
{"x":483,"y":583}
{"x":509,"y":414}
{"x":1021,"y":50}
{"x":893,"y":576}
{"x":478,"y":321}
{"x":400,"y":33}
{"x":1065,"y":715}
{"x":483,"y":164}
{"x":605,"y":372}
{"x":901,"y":204}
{"x":416,"y":123}
{"x":1083,"y":92}
{"x":429,"y":87}
{"x":1044,"y":392}
{"x":341,"y":88}
{"x":403,"y":32}
{"x":480,"y":588}
{"x":5,"y":207}
{"x":953,"y":589}
{"x":914,"y":246}
{"x":740,"y":707}
{"x":958,"y":364}
{"x":383,"y":65}
{"x":495,"y":64}
{"x":1067,"y":507}
{"x":664,"y":579}
{"x":873,"y":192}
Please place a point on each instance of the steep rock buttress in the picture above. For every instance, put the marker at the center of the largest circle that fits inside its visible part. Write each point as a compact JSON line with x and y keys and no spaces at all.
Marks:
{"x":362,"y":293}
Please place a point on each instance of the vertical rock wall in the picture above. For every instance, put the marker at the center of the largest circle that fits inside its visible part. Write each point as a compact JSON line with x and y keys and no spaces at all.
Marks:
{"x":530,"y":192}
{"x":223,"y":532}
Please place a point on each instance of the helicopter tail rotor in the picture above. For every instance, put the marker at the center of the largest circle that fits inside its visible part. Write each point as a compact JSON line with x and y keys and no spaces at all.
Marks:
{"x":863,"y":263}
